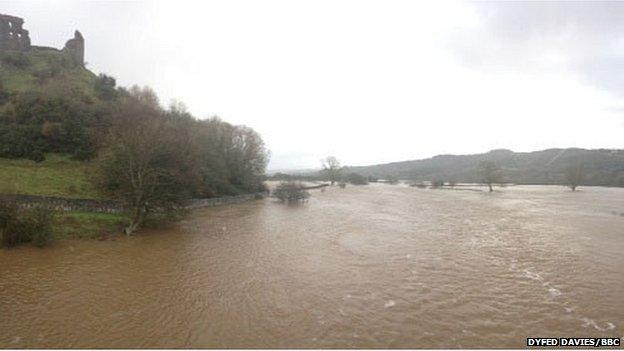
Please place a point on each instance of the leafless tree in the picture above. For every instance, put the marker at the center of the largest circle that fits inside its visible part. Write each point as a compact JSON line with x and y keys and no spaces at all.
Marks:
{"x":148,"y":161}
{"x":331,"y":168}
{"x":574,"y":176}
{"x":490,"y":174}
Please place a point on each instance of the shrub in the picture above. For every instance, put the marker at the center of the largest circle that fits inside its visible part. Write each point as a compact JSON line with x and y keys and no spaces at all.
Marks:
{"x":21,"y":141}
{"x":51,"y":130}
{"x":9,"y":226}
{"x":37,"y":223}
{"x":16,"y":59}
{"x":4,"y":94}
{"x":105,"y":87}
{"x":290,"y":192}
{"x":46,"y":73}
{"x":357,"y":179}
{"x":437,"y":183}
{"x":21,"y":226}
{"x":392,"y":180}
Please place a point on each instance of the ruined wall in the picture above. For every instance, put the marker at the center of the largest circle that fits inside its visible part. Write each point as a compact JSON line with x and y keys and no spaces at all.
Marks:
{"x":75,"y":48}
{"x":12,"y":35}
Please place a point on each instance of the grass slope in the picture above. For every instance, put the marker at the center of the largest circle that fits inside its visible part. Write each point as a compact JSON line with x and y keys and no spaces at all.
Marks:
{"x":57,"y":176}
{"x":40,"y":63}
{"x":61,"y":176}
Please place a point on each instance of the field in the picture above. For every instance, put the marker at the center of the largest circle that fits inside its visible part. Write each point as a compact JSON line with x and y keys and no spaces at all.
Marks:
{"x":60,"y":176}
{"x":57,"y":176}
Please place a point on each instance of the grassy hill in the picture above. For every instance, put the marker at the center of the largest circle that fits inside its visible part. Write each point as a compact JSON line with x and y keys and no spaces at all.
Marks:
{"x":50,"y":104}
{"x":601,"y":167}
{"x":57,"y":176}
{"x":38,"y":70}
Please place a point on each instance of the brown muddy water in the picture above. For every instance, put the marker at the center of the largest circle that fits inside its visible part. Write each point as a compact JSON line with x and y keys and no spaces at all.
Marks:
{"x":375,"y":266}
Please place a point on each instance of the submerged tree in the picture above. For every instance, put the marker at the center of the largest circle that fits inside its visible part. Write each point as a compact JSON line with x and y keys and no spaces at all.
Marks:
{"x":331,"y":168}
{"x":574,"y":176}
{"x":490,"y":174}
{"x":390,"y":179}
{"x":291,"y":191}
{"x":356,"y":179}
{"x":437,"y":183}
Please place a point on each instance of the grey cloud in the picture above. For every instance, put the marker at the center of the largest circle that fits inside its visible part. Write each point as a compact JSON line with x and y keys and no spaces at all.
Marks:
{"x":520,"y":36}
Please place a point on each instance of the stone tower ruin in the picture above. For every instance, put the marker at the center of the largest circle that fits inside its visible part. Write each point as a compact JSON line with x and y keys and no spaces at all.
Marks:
{"x":15,"y":38}
{"x":75,"y":48}
{"x":12,"y":35}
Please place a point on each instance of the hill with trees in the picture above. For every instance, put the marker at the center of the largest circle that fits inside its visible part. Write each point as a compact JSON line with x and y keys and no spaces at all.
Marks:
{"x":603,"y":167}
{"x":105,"y":141}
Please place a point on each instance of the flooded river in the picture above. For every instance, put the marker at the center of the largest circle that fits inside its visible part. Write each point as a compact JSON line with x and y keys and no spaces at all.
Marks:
{"x":374,"y":266}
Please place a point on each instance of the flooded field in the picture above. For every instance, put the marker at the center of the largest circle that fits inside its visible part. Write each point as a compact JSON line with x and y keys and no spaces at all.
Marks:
{"x":374,"y":266}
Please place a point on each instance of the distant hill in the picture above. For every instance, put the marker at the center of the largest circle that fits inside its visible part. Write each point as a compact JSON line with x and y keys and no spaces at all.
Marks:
{"x":601,"y":167}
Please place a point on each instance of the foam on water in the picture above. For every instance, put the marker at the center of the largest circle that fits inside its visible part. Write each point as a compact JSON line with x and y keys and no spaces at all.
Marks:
{"x":587,"y":322}
{"x":389,"y":304}
{"x":554,"y":292}
{"x":532,"y":275}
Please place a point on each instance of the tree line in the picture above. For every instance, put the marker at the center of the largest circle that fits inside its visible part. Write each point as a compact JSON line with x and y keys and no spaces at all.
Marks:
{"x":153,"y":158}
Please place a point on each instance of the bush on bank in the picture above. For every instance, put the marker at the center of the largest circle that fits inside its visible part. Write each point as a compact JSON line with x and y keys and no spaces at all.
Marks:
{"x":21,"y":226}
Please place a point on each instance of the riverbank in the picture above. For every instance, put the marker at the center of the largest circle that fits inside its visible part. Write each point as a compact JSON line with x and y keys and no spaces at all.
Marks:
{"x":62,"y":184}
{"x":101,"y":219}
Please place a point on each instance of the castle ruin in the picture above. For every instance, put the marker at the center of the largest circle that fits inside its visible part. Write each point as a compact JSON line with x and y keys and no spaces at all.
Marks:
{"x":12,"y":35}
{"x":15,"y":38}
{"x":75,"y":48}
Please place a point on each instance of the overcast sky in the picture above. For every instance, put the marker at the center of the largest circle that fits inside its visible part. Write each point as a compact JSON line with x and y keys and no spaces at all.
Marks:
{"x":366,"y":81}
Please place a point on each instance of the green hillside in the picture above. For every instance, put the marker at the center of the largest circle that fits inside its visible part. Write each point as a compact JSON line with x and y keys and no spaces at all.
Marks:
{"x":50,"y":104}
{"x":601,"y":167}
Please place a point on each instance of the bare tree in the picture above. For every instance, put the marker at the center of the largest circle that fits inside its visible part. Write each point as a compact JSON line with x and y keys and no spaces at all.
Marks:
{"x":490,"y":173}
{"x":291,"y":191}
{"x":574,"y":176}
{"x":147,"y":161}
{"x":331,"y":167}
{"x":392,"y":180}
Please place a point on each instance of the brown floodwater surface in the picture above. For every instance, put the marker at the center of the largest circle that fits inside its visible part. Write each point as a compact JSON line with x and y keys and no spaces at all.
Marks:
{"x":376,"y":266}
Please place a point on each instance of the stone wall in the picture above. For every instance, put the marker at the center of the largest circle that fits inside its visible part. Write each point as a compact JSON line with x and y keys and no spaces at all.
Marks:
{"x":63,"y":204}
{"x":109,"y":206}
